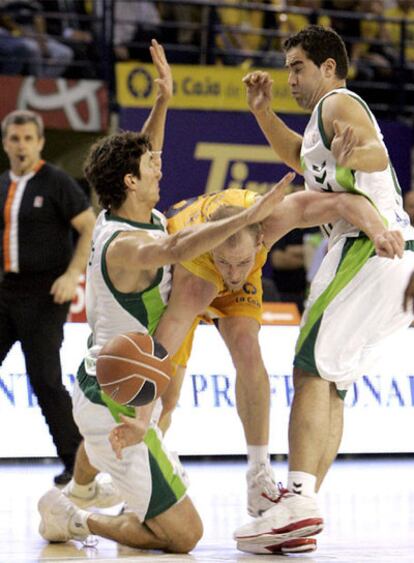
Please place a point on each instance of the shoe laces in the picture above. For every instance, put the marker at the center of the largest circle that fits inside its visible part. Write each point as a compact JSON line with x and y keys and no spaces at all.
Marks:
{"x":282,"y":493}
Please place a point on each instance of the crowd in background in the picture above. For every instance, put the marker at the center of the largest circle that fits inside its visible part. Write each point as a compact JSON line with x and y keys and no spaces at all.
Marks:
{"x":64,"y":37}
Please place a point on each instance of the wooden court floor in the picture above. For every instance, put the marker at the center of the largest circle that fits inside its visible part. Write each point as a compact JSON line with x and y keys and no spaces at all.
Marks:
{"x":368,"y":507}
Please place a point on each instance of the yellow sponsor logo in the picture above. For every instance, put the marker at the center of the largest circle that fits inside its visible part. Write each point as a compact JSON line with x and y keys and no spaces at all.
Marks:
{"x":197,"y":87}
{"x":233,"y":159}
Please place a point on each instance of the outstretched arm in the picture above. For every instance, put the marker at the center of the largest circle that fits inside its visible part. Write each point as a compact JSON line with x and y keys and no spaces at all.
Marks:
{"x":310,"y":209}
{"x":130,"y":248}
{"x":284,"y":141}
{"x":154,"y":126}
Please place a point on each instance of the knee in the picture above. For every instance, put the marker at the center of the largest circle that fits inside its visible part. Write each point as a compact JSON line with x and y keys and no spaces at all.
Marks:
{"x":246,"y":353}
{"x":188,"y":539}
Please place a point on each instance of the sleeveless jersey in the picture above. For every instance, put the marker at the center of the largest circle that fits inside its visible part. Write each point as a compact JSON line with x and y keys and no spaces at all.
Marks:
{"x":109,"y":311}
{"x":322,"y":173}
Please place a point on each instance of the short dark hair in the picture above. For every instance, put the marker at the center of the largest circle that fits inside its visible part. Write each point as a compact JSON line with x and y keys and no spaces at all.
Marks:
{"x":21,"y":117}
{"x":225,"y":211}
{"x":109,"y":160}
{"x":321,"y":43}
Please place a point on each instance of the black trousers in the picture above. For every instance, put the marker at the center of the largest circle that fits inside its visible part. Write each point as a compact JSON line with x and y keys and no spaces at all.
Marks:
{"x":32,"y":318}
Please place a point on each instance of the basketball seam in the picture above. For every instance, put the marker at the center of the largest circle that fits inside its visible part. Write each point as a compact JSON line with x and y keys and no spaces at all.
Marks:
{"x":134,"y":362}
{"x":137,"y":346}
{"x":127,"y":378}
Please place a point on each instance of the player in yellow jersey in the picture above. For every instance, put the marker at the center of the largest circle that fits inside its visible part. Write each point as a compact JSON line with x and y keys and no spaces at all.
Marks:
{"x":227,"y":283}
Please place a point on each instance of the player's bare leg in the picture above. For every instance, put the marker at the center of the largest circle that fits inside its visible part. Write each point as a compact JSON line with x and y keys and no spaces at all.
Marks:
{"x":84,"y":489}
{"x":309,"y":424}
{"x":335,"y":435}
{"x":178,"y":529}
{"x":241,"y":335}
{"x":83,"y":472}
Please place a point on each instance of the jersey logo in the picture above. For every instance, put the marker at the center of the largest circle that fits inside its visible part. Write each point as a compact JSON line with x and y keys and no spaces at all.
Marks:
{"x":320,"y":169}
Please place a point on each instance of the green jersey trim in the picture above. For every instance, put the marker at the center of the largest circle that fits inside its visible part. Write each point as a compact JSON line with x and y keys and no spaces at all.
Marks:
{"x":117,"y":409}
{"x":154,"y":225}
{"x":146,"y":306}
{"x":170,"y":487}
{"x":355,"y":254}
{"x":89,"y":386}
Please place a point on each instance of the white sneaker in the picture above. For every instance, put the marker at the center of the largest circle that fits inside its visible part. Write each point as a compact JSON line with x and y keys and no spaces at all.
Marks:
{"x":279,"y":547}
{"x":292,"y":516}
{"x":105,"y":495}
{"x":56,"y":512}
{"x":261,"y":489}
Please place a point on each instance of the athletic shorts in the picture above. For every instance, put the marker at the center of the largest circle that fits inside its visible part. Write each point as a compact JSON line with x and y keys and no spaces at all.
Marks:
{"x":355,"y":302}
{"x":149,"y":478}
{"x":247,"y":302}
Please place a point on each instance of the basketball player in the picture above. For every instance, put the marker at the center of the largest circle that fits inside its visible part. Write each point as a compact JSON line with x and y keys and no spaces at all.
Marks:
{"x":128,"y":282}
{"x":355,"y":298}
{"x":227,"y":282}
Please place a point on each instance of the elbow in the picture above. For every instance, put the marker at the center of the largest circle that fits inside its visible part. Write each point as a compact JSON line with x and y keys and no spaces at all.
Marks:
{"x":383,"y":162}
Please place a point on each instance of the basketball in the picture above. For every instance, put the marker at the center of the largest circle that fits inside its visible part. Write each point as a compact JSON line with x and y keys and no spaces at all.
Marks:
{"x":133,"y":369}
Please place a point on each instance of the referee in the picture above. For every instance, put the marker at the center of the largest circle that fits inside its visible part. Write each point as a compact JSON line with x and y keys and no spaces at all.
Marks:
{"x":39,"y":207}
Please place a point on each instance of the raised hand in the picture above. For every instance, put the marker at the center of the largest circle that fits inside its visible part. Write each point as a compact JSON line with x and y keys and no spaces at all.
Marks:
{"x":259,"y":91}
{"x":266,"y":204}
{"x":343,"y":143}
{"x":165,"y":81}
{"x":389,"y":244}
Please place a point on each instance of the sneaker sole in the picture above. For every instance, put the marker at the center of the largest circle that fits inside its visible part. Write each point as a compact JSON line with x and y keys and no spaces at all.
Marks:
{"x":296,"y":545}
{"x":302,"y":528}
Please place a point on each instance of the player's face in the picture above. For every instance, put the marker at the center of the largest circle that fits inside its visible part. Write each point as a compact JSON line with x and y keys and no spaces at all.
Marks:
{"x":306,"y":80}
{"x":150,"y":170}
{"x":23,"y":146}
{"x":236,"y":262}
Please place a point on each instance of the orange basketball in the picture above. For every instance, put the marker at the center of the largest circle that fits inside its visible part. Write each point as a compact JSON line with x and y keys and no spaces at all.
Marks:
{"x":133,"y":369}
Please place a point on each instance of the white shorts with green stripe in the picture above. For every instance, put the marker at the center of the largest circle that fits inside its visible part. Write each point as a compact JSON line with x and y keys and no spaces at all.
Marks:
{"x":354,"y":303}
{"x":150,"y":479}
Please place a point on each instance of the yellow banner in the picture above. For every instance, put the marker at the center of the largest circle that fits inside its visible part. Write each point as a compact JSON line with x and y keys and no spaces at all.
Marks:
{"x":197,"y":87}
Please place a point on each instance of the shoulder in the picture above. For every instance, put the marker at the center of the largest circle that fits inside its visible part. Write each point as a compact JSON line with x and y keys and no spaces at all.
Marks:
{"x":344,"y":105}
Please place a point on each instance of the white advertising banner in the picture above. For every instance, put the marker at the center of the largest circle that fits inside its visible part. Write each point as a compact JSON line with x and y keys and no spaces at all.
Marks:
{"x":379,"y":408}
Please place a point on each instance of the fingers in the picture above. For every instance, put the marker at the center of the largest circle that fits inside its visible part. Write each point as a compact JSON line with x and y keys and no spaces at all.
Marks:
{"x":158,"y":54}
{"x":287,"y":178}
{"x":390,"y":245}
{"x":115,"y":442}
{"x":336,"y":127}
{"x":257,"y":78}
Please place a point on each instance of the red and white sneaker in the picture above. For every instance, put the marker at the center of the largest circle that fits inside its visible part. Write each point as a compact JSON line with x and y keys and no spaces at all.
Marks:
{"x":283,"y":547}
{"x":261,"y":488}
{"x":291,"y":516}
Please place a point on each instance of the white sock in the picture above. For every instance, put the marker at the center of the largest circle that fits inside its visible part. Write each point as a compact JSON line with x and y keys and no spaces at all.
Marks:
{"x":301,"y":483}
{"x":82,"y":491}
{"x":78,"y":525}
{"x":257,"y":455}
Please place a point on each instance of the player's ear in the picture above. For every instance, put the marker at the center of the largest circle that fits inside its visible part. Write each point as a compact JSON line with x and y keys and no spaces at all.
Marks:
{"x":329,"y":67}
{"x":129,"y":180}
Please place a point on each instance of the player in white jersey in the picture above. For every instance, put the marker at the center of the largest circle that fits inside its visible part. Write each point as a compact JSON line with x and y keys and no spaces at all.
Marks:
{"x":355,"y":299}
{"x":128,"y":281}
